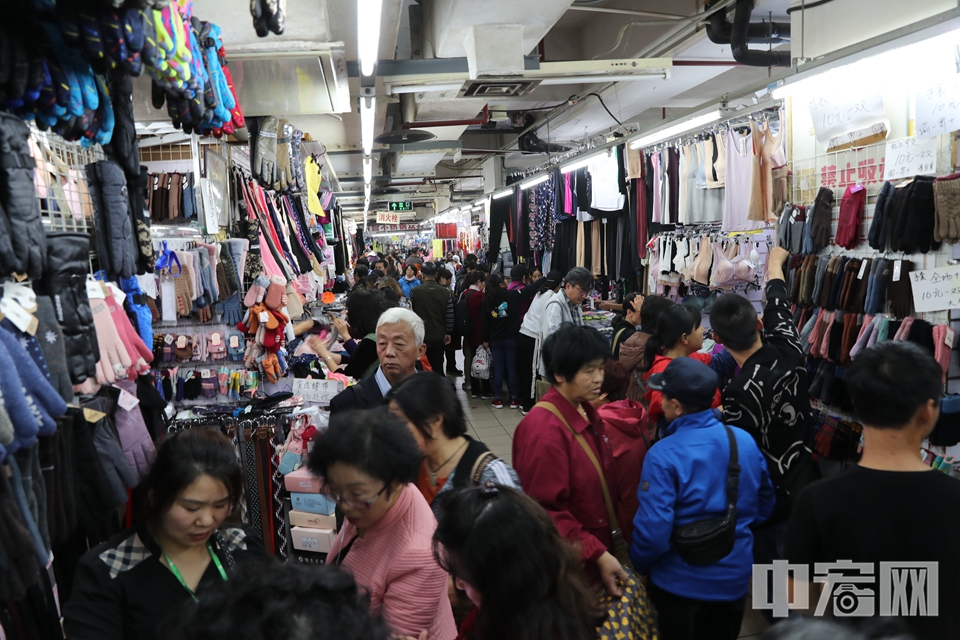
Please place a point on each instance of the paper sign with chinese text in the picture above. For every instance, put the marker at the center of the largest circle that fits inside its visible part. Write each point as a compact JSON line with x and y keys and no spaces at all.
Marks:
{"x":839,"y":113}
{"x":910,"y":157}
{"x":936,"y":289}
{"x":388,"y":217}
{"x":938,"y":109}
{"x":319,"y":391}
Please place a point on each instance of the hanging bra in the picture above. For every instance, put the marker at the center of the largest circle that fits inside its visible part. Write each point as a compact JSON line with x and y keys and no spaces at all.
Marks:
{"x":746,"y":267}
{"x":701,"y":265}
{"x":723,"y":267}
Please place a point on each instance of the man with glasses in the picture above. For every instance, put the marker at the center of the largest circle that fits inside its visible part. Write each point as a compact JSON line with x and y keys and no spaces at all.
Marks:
{"x":565,"y":305}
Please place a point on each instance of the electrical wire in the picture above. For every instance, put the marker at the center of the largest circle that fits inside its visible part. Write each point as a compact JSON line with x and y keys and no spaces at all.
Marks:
{"x":604,"y":105}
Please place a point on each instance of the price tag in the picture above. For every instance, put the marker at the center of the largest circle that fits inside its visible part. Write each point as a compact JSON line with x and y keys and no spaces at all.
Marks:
{"x":234,"y":342}
{"x":92,"y":416}
{"x":168,"y":338}
{"x":182,"y":342}
{"x":206,"y":373}
{"x":215,"y":339}
{"x":948,"y":339}
{"x":127,"y":400}
{"x":18,"y":316}
{"x":896,"y":270}
{"x":264,"y":316}
{"x":117,"y":292}
{"x":94,"y":290}
{"x":863,"y":269}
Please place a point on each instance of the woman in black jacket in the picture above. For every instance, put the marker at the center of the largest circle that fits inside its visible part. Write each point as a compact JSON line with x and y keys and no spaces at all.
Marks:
{"x":501,"y":326}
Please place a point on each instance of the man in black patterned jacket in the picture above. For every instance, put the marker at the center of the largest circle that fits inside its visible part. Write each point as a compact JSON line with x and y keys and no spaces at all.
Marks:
{"x":768,"y":398}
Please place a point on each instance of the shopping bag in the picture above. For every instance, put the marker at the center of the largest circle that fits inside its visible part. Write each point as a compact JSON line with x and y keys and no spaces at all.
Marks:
{"x":631,"y":615}
{"x":480,"y":368}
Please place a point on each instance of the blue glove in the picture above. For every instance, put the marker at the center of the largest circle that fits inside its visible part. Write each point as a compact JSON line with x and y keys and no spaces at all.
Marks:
{"x":131,"y":287}
{"x":232,"y":310}
{"x":105,"y":134}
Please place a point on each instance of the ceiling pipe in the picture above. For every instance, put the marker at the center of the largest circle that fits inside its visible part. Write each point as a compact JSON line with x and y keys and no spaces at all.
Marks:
{"x":483,"y":119}
{"x":719,"y":30}
{"x":742,"y":53}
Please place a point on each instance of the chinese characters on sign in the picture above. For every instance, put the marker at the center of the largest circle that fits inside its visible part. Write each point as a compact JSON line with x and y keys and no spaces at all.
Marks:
{"x":401,"y":206}
{"x":850,"y":588}
{"x":909,"y":157}
{"x":936,"y":289}
{"x":388,"y":217}
{"x":938,"y":109}
{"x":319,"y":391}
{"x":837,"y":115}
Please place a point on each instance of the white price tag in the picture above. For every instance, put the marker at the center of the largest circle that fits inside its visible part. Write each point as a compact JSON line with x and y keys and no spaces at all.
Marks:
{"x":117,"y":292}
{"x":863,"y":269}
{"x":215,"y":339}
{"x":182,"y":342}
{"x":264,"y":316}
{"x":127,"y":401}
{"x":896,"y":270}
{"x":948,"y":339}
{"x":94,"y":291}
{"x":169,"y":338}
{"x":234,"y":342}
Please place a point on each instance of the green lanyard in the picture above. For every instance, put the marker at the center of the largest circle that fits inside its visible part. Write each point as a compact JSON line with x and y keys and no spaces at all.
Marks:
{"x":176,"y":572}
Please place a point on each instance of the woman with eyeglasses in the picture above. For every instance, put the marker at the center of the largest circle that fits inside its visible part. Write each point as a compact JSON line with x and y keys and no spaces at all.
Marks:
{"x":127,"y":587}
{"x":369,"y":461}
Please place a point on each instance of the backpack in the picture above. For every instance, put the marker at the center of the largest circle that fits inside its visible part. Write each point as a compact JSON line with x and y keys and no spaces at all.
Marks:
{"x":461,"y":315}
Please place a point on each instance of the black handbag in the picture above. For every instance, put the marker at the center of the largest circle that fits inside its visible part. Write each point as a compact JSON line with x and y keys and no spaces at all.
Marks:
{"x":708,"y":541}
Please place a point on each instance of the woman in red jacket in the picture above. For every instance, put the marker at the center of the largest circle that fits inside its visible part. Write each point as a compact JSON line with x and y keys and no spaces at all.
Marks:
{"x":550,"y":453}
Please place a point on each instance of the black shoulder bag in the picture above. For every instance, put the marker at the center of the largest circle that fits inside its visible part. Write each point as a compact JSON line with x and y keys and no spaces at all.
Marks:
{"x":708,"y":541}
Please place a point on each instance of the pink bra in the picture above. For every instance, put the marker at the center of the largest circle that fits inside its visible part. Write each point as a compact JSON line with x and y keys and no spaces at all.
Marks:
{"x":723,"y":268}
{"x":701,"y":265}
{"x":746,"y":267}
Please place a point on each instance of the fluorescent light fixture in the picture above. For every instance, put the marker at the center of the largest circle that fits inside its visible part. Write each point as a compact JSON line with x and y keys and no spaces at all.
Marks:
{"x":697,"y":122}
{"x":367,"y":170}
{"x":477,"y":207}
{"x":368,"y":112}
{"x":425,"y":88}
{"x":600,"y":78}
{"x":368,"y":31}
{"x":577,"y":164}
{"x":366,"y":192}
{"x":503,"y":194}
{"x":535,"y":181}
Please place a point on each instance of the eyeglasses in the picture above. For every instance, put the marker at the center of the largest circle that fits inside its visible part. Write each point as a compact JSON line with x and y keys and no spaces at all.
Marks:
{"x":583,"y":293}
{"x":359,"y":505}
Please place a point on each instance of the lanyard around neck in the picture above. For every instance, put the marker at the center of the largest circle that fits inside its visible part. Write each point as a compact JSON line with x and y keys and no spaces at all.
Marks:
{"x":179,"y":577}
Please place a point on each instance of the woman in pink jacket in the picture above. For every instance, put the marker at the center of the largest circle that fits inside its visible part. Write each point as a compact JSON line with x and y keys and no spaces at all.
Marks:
{"x":368,"y":461}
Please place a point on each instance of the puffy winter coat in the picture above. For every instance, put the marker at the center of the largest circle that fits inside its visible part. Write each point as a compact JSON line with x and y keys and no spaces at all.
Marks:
{"x":116,"y":245}
{"x":68,"y":263}
{"x":23,"y":248}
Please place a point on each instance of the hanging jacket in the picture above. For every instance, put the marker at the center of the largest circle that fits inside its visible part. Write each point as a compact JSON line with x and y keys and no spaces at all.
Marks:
{"x":65,"y":282}
{"x":24,"y":247}
{"x":116,"y":246}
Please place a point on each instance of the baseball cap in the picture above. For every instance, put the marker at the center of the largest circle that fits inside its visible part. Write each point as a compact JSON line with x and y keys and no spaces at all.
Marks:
{"x":429,"y":269}
{"x":554,"y":278}
{"x":687,"y":380}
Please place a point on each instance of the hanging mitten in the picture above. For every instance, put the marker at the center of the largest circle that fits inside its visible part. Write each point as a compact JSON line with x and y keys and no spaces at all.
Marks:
{"x":276,"y":295}
{"x":257,"y":291}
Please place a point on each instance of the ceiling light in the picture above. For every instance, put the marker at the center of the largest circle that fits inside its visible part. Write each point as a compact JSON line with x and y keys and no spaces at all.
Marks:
{"x":691,"y":124}
{"x":600,"y":78}
{"x":368,"y":30}
{"x":577,"y":164}
{"x":367,"y":170}
{"x":368,"y":112}
{"x":502,"y":194}
{"x":535,"y":181}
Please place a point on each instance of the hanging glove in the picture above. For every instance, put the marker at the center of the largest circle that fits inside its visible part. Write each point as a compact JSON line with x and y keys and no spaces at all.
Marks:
{"x":275,"y":10}
{"x":231,"y":310}
{"x":26,"y":421}
{"x":91,"y":40}
{"x":265,"y":161}
{"x":257,"y":291}
{"x":276,"y":296}
{"x":114,"y":359}
{"x":236,"y":113}
{"x":283,"y":156}
{"x":270,"y":367}
{"x":138,"y":448}
{"x":105,"y":132}
{"x":820,"y":219}
{"x":260,"y":18}
{"x":114,"y":43}
{"x":235,"y":346}
{"x":217,"y":346}
{"x":134,"y":345}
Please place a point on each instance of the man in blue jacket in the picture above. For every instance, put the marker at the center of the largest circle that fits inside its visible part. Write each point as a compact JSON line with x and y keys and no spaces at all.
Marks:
{"x":684,"y":480}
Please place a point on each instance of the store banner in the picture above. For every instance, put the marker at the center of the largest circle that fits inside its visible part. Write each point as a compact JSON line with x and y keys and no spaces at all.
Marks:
{"x":938,"y":109}
{"x":935,"y":289}
{"x":388,"y":217}
{"x":910,"y":157}
{"x":845,"y":116}
{"x":437,"y":248}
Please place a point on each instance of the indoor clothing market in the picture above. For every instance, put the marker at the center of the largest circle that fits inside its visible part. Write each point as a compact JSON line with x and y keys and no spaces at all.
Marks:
{"x":479,"y":320}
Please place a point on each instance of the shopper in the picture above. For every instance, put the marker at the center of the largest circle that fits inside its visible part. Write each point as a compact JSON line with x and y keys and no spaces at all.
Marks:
{"x":410,"y":279}
{"x":679,"y":334}
{"x":470,"y":305}
{"x":392,"y":292}
{"x":627,"y":323}
{"x":565,"y":305}
{"x":633,"y":354}
{"x":368,"y":462}
{"x":890,"y":506}
{"x":768,"y":398}
{"x":685,"y":480}
{"x":413,"y":257}
{"x":529,"y":336}
{"x":519,"y":281}
{"x":461,"y":285}
{"x":625,"y":426}
{"x":360,"y":273}
{"x":501,"y":326}
{"x":536,"y":274}
{"x":550,"y":457}
{"x":451,"y":459}
{"x":524,"y":579}
{"x":128,"y":586}
{"x":445,"y":278}
{"x":434,"y":305}
{"x":283,"y":600}
{"x":364,"y":307}
{"x":399,"y":349}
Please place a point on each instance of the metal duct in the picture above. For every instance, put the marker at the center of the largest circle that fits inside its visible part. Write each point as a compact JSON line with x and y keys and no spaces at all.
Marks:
{"x":742,"y":53}
{"x":719,"y":30}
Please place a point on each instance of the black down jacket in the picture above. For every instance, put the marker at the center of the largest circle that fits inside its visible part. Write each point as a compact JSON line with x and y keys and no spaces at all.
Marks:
{"x":68,"y":263}
{"x":18,"y":198}
{"x":116,"y":239}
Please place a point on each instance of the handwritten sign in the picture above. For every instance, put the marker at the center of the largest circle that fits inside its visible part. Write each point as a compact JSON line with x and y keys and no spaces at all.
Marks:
{"x":936,"y":289}
{"x":388,"y":217}
{"x":910,"y":157}
{"x":938,"y":109}
{"x":838,"y":114}
{"x":319,"y":391}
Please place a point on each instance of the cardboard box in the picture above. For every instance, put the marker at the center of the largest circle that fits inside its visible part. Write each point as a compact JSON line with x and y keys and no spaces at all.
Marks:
{"x":313,"y":503}
{"x":301,"y":481}
{"x":315,"y":540}
{"x":312,"y":520}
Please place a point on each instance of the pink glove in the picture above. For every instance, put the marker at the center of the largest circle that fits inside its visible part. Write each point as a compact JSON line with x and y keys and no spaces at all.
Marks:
{"x":138,"y":447}
{"x":114,"y":358}
{"x":131,"y":340}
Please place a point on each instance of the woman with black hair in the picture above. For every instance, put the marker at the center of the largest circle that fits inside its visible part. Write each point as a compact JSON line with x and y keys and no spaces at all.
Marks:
{"x":364,"y":307}
{"x":368,"y":462}
{"x":475,"y":283}
{"x":126,"y":587}
{"x":633,"y":349}
{"x":526,"y":582}
{"x":679,"y":334}
{"x":451,"y":458}
{"x":501,"y":326}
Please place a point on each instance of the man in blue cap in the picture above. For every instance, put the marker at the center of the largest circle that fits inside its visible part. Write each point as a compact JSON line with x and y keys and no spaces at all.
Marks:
{"x":706,"y":473}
